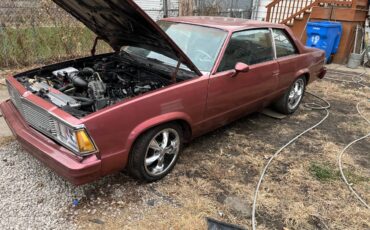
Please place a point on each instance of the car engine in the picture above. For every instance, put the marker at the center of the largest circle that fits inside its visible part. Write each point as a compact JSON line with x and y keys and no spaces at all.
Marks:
{"x":86,"y":88}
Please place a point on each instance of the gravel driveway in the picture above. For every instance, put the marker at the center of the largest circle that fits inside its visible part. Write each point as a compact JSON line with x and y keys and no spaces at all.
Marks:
{"x":32,"y":197}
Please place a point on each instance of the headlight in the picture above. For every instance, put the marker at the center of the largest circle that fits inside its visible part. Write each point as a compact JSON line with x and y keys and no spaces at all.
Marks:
{"x":77,"y":140}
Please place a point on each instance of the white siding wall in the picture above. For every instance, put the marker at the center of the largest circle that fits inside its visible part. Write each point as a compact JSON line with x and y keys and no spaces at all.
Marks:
{"x":154,"y":8}
{"x":173,"y":8}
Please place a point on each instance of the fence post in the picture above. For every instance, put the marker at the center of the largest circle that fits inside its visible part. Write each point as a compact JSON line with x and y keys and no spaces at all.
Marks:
{"x":3,"y":51}
{"x":229,"y":13}
{"x":165,"y":9}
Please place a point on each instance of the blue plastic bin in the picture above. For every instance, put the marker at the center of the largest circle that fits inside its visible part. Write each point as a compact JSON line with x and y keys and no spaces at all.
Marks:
{"x":324,"y":35}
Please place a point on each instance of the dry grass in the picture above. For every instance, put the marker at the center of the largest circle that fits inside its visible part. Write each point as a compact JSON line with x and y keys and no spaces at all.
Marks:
{"x":227,"y":163}
{"x":6,"y":140}
{"x":6,"y":72}
{"x":43,"y":34}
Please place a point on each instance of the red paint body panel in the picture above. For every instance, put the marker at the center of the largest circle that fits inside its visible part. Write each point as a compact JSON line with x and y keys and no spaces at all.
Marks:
{"x":204,"y":103}
{"x":185,"y":101}
{"x":47,"y":151}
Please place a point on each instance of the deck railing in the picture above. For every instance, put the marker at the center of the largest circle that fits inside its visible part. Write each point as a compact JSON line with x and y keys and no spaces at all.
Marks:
{"x":285,"y":11}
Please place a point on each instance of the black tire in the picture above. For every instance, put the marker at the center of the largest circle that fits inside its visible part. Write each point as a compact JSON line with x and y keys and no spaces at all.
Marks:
{"x":137,"y":166}
{"x":283,"y":104}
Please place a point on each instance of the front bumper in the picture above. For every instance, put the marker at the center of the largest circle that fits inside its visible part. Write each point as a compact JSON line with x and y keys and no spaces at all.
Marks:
{"x":56,"y":157}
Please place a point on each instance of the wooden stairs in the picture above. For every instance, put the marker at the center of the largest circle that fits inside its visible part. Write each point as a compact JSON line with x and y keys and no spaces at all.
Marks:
{"x":296,"y":14}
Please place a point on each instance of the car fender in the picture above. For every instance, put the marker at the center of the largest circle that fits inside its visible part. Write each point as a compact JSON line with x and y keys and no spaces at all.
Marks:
{"x":302,"y":72}
{"x":155,"y":121}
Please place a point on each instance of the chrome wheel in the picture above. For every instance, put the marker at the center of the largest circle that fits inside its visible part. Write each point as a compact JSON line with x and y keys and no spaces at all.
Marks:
{"x":296,"y":94}
{"x":162,"y":152}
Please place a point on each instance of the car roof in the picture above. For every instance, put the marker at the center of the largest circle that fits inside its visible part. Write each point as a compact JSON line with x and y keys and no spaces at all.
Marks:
{"x":224,"y":23}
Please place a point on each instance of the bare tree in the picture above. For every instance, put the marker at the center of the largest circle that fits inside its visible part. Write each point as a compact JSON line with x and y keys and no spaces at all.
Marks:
{"x":186,"y":8}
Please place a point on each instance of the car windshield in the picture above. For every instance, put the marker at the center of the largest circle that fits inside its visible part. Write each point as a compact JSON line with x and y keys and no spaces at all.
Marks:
{"x":200,"y":44}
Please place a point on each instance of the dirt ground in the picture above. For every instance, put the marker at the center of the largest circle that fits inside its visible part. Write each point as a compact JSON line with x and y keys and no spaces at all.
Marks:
{"x":216,"y":175}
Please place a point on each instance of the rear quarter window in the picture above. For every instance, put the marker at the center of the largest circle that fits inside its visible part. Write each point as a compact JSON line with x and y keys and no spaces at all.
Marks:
{"x":284,"y":43}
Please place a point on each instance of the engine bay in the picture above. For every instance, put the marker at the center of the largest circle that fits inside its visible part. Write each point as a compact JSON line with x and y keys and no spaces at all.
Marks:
{"x":85,"y":87}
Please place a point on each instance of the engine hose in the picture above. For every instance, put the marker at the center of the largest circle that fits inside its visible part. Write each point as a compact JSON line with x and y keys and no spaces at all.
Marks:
{"x":67,"y":91}
{"x":78,"y":81}
{"x":312,"y":106}
{"x":64,"y":88}
{"x":84,"y":101}
{"x":85,"y":104}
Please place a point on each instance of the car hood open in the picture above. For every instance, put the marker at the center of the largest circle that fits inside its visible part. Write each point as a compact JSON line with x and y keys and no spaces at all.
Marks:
{"x":123,"y":22}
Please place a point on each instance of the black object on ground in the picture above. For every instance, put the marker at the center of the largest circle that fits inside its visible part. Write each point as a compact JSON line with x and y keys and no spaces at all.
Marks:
{"x":218,"y":225}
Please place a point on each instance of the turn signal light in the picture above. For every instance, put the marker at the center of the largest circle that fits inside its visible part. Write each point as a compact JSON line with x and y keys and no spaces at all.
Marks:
{"x":84,"y":142}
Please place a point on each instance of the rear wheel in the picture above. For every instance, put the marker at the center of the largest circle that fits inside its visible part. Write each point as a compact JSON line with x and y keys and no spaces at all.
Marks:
{"x":155,"y":153}
{"x":291,"y":100}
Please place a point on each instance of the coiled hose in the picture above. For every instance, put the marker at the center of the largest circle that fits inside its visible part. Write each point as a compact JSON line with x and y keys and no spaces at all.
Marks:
{"x":84,"y":101}
{"x":312,"y":106}
{"x":358,"y":81}
{"x":355,"y":79}
{"x":340,"y":164}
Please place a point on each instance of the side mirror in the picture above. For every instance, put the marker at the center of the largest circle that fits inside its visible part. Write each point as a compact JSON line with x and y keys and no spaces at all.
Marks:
{"x":241,"y":67}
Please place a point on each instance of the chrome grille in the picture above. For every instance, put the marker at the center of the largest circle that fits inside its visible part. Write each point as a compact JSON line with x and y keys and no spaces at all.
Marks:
{"x":35,"y":116}
{"x":15,"y":97}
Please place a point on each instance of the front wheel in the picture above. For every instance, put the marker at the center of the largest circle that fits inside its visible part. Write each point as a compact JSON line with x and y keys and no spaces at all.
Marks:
{"x":155,"y":153}
{"x":291,"y":100}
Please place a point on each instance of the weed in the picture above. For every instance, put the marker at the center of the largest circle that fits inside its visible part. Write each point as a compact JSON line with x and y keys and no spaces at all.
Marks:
{"x":328,"y":172}
{"x":41,"y":45}
{"x":323,"y":172}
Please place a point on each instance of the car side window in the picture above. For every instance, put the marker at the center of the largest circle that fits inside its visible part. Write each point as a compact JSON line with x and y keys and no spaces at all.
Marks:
{"x":250,"y":47}
{"x":283,"y":43}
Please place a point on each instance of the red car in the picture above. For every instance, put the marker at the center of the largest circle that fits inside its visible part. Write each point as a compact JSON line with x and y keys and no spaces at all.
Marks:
{"x":165,"y":84}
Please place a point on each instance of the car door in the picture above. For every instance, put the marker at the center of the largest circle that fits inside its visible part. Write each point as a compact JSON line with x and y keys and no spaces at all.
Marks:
{"x":286,"y":54}
{"x":231,"y":95}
